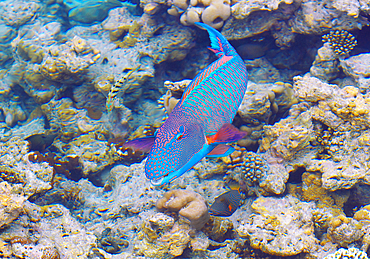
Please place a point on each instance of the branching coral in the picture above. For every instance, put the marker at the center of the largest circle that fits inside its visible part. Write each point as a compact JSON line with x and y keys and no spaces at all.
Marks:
{"x":341,"y":41}
{"x":246,"y":168}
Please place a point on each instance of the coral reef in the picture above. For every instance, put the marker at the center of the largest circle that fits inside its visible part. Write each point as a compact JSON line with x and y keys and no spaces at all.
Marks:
{"x":93,"y":154}
{"x":188,"y":204}
{"x":91,"y":11}
{"x":242,"y":8}
{"x":50,"y":65}
{"x":302,"y":170}
{"x":56,"y":234}
{"x":246,"y":168}
{"x":343,"y":113}
{"x":16,"y":168}
{"x":344,"y":231}
{"x":161,"y":237}
{"x":17,"y":13}
{"x":280,"y":227}
{"x":325,"y":66}
{"x":357,"y":67}
{"x":260,"y":105}
{"x":318,"y":17}
{"x":11,"y":203}
{"x":211,"y":12}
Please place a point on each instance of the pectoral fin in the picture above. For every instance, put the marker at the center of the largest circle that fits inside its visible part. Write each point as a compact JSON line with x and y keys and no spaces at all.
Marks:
{"x":228,"y":133}
{"x":140,"y":144}
{"x":221,"y":150}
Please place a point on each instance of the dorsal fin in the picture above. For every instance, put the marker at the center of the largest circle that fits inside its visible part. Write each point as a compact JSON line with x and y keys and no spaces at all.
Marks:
{"x":221,"y":47}
{"x":201,"y":76}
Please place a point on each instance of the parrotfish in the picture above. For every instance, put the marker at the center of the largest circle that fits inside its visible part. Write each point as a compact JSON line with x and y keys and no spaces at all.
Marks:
{"x":200,"y":124}
{"x":116,"y":88}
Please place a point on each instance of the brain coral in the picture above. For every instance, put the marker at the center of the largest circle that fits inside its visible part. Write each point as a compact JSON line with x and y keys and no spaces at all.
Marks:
{"x":189,"y":204}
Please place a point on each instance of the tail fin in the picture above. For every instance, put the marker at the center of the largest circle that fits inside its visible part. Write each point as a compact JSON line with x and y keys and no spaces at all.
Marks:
{"x":219,"y":44}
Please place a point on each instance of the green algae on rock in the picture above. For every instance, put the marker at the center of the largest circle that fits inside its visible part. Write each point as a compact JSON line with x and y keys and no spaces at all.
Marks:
{"x":92,"y":11}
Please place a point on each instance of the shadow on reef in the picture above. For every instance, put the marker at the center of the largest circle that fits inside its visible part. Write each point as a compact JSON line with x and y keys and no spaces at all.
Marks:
{"x":359,"y":196}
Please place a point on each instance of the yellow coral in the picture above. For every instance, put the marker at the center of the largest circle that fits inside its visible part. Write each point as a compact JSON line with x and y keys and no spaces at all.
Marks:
{"x":11,"y":204}
{"x":341,"y":41}
{"x":131,"y":38}
{"x":161,"y":237}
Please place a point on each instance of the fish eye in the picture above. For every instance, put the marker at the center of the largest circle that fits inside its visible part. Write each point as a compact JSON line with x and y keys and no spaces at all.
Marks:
{"x":179,"y":136}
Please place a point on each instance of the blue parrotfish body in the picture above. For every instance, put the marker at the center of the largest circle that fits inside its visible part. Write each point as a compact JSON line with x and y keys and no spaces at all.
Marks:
{"x":200,"y":124}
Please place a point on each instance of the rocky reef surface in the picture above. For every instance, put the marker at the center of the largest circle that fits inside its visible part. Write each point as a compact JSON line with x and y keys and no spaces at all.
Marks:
{"x":79,"y":78}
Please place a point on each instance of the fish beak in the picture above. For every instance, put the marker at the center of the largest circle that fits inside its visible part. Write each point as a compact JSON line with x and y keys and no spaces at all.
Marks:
{"x":157,"y":182}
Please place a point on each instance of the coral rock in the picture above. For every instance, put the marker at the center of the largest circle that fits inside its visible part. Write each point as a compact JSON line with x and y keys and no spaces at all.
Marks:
{"x":17,"y":168}
{"x":160,"y":237}
{"x":11,"y":204}
{"x":357,"y":67}
{"x":344,"y":231}
{"x":279,"y":226}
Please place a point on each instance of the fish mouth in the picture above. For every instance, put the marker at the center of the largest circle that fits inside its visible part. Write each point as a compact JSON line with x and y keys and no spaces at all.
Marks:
{"x":165,"y":179}
{"x":157,"y":182}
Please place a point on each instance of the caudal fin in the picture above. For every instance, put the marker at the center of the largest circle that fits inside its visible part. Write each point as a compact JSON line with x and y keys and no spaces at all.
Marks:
{"x":219,"y":44}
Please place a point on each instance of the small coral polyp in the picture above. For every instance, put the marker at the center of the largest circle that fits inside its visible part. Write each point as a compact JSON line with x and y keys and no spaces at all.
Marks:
{"x":341,"y":41}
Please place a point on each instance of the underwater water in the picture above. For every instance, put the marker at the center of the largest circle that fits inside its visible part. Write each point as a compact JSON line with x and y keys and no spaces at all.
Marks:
{"x":184,"y":129}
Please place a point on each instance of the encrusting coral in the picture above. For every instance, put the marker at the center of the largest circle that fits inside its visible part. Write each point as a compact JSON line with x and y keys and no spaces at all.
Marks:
{"x":48,"y":231}
{"x":260,"y":105}
{"x":344,"y":231}
{"x":16,"y":168}
{"x":11,"y":203}
{"x":161,"y":237}
{"x":358,"y":68}
{"x":349,"y":253}
{"x":188,"y":204}
{"x":325,"y":65}
{"x":17,"y":13}
{"x":279,"y":226}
